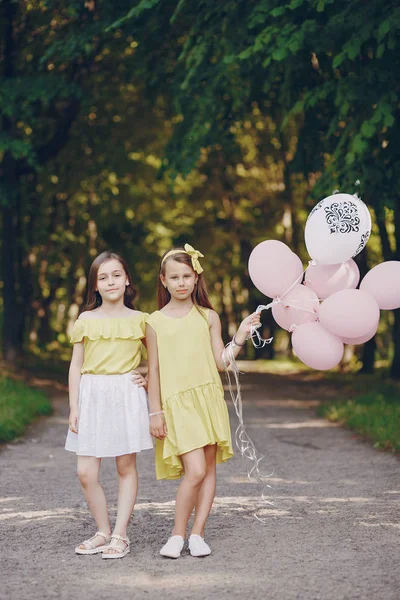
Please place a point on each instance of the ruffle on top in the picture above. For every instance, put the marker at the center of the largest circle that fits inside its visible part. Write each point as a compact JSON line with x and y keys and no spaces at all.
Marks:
{"x":122,"y":328}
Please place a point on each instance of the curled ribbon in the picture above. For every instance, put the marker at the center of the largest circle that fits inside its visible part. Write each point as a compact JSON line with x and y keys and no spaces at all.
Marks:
{"x":243,"y":441}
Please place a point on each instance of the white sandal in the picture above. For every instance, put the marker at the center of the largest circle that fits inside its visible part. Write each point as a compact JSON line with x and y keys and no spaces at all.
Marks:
{"x":92,"y":549}
{"x":119,"y":552}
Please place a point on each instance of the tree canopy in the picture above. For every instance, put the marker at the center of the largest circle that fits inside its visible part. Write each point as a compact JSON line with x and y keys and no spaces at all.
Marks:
{"x":138,"y":125}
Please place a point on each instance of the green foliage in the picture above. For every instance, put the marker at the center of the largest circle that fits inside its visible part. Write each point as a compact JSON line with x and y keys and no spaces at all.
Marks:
{"x":332,"y":60}
{"x":19,"y":405}
{"x":138,"y":125}
{"x":17,"y":148}
{"x":50,"y":50}
{"x":374,"y":414}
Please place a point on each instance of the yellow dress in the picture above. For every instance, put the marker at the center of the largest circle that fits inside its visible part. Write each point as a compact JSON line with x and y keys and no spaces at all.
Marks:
{"x":192,"y":395}
{"x":112,"y":345}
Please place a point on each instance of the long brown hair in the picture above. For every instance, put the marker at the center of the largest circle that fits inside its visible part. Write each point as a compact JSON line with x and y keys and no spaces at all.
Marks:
{"x":93,"y":297}
{"x":199,"y":295}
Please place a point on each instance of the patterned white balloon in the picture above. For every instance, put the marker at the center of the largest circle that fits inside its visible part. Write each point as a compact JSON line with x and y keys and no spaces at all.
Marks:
{"x":337,"y":229}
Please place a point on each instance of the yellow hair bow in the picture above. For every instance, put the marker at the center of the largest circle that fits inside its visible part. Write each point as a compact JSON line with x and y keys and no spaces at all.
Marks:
{"x":194,"y":255}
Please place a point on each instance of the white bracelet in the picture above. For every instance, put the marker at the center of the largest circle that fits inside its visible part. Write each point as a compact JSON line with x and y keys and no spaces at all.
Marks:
{"x":235,"y":343}
{"x":159,"y":412}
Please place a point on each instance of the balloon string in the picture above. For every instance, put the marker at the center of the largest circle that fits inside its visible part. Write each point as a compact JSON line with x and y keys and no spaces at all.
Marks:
{"x":254,"y":334}
{"x":301,"y":308}
{"x":243,"y":442}
{"x":293,"y":284}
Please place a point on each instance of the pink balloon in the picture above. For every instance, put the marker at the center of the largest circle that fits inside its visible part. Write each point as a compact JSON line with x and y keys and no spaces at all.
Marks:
{"x":298,"y":306}
{"x":383,"y":283}
{"x":325,"y":280}
{"x":362,"y":339}
{"x":273,"y":268}
{"x":316,"y":347}
{"x":349,"y":313}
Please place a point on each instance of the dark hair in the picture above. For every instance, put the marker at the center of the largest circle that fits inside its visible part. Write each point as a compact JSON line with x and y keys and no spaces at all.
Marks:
{"x":199,"y":295}
{"x":93,"y":297}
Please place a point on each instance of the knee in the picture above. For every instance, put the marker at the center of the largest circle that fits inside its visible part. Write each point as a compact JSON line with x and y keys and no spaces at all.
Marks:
{"x":126,"y":468}
{"x":86,"y":476}
{"x":211,"y":467}
{"x":196,"y":475}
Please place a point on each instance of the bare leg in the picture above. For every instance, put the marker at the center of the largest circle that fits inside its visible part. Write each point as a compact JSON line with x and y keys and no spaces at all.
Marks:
{"x":88,"y":473}
{"x":206,"y":494}
{"x":127,"y":492}
{"x":186,"y":498}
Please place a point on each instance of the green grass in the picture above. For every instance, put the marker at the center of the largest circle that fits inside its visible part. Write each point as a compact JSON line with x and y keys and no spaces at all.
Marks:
{"x":374,"y":414}
{"x":19,"y":405}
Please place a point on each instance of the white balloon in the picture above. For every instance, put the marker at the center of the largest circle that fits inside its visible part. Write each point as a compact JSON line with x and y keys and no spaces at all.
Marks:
{"x":337,"y":229}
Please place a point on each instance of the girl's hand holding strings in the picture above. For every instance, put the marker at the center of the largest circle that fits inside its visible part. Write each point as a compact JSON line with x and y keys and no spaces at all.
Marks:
{"x":73,"y":420}
{"x":244,"y":330}
{"x":158,"y":427}
{"x":139,"y":380}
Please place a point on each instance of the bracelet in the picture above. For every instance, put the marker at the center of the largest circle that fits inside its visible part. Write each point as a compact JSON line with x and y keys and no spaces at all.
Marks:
{"x":159,"y":412}
{"x":234,"y":342}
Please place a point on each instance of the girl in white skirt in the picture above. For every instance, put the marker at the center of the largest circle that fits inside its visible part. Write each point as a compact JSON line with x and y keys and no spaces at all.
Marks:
{"x":108,"y":405}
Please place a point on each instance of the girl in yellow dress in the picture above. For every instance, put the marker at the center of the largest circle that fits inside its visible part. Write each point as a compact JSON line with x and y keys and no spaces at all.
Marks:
{"x":108,"y":406}
{"x":188,"y":413}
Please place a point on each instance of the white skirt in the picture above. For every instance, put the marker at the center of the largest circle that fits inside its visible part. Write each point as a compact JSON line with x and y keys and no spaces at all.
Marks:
{"x":113,"y":417}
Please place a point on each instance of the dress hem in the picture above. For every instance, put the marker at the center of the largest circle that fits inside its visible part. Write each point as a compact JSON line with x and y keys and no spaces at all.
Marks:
{"x":110,"y":455}
{"x":224,"y":453}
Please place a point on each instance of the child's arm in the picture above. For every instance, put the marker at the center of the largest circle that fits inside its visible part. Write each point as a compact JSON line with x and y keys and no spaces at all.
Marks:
{"x":74,"y":378}
{"x":158,"y":427}
{"x":137,"y":377}
{"x":240,"y":337}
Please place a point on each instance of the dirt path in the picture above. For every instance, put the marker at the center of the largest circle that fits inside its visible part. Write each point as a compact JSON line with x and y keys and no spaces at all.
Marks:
{"x":333,"y":535}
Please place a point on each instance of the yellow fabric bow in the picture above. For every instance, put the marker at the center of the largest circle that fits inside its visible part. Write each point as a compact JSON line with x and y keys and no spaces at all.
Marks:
{"x":194,"y":255}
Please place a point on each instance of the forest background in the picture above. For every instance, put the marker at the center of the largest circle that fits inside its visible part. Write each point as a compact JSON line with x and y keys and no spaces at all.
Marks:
{"x":135,"y":126}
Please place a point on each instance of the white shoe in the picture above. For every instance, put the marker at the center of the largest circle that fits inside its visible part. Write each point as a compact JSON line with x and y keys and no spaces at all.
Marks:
{"x":197,"y":546}
{"x":173,"y":548}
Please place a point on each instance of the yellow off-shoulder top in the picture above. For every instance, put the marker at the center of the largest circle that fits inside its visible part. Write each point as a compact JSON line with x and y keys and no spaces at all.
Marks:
{"x":112,"y":345}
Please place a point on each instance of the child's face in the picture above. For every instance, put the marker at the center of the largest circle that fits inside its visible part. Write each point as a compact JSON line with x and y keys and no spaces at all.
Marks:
{"x":179,"y":279}
{"x":111,"y":281}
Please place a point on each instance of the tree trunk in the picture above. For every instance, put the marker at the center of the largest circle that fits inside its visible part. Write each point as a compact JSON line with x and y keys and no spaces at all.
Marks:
{"x":369,"y":348}
{"x":27,"y":277}
{"x":387,"y":252}
{"x":11,"y":314}
{"x":368,"y":356}
{"x":9,"y":193}
{"x":395,"y":366}
{"x":45,"y":334}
